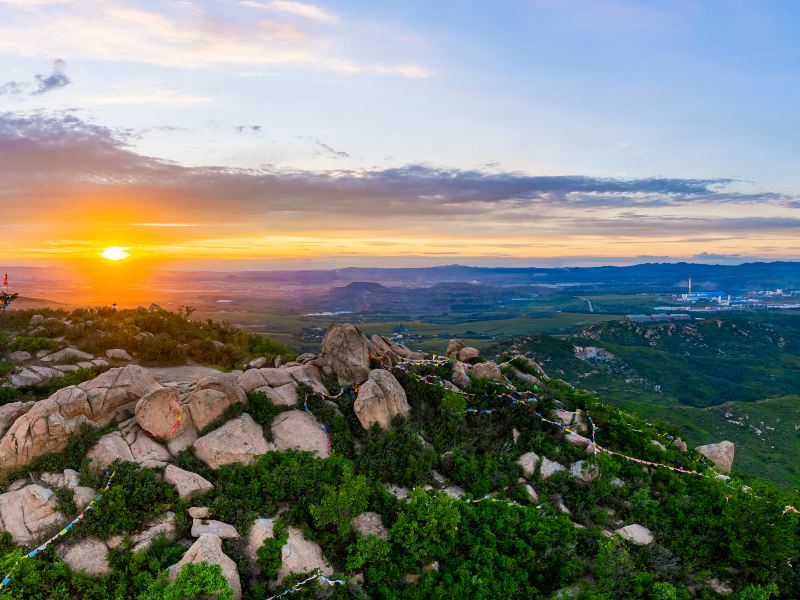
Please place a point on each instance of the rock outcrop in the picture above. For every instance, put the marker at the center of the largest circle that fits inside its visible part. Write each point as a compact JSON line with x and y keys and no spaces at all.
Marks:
{"x":28,"y":513}
{"x":47,"y":425}
{"x":222,"y":530}
{"x":260,"y":530}
{"x":239,"y":440}
{"x":11,"y":412}
{"x":528,"y":461}
{"x":161,"y":414}
{"x":636,"y":534}
{"x":67,"y":355}
{"x":345,"y":349}
{"x":380,"y":399}
{"x":296,"y":429}
{"x":208,"y":548}
{"x":300,"y":555}
{"x":89,"y":556}
{"x":721,"y":454}
{"x":550,"y":468}
{"x":188,"y":484}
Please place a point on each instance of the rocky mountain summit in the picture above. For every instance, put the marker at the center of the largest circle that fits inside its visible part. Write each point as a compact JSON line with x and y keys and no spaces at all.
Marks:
{"x":379,"y":472}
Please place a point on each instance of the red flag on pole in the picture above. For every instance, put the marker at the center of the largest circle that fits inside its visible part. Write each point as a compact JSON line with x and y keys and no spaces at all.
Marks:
{"x":5,"y":280}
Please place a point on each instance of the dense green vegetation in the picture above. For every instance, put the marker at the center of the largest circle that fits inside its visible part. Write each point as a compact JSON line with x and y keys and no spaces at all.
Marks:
{"x":443,"y":547}
{"x":153,"y":337}
{"x":730,"y":378}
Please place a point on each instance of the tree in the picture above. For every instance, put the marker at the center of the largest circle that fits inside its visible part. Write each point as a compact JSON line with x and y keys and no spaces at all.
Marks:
{"x":6,"y":299}
{"x":193,"y":580}
{"x":340,"y":505}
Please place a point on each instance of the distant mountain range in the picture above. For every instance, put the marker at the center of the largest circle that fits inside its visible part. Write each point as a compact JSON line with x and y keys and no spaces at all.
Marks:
{"x":653,"y":277}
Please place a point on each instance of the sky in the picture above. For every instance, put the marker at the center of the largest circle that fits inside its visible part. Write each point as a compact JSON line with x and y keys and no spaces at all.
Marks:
{"x":229,"y":134}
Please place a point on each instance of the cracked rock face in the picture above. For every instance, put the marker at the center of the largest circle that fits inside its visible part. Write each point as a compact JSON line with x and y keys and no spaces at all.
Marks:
{"x":721,"y":454}
{"x":345,"y":349}
{"x":380,"y":399}
{"x":299,"y":430}
{"x":239,"y":440}
{"x":29,"y":513}
{"x":47,"y":425}
{"x":208,"y":548}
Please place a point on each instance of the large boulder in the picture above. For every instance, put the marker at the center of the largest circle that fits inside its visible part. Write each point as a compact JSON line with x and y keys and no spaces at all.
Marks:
{"x":28,"y":513}
{"x":487,"y":370}
{"x":11,"y":412}
{"x":67,"y":355}
{"x":19,"y":356}
{"x":109,"y":448}
{"x":118,"y":354}
{"x":188,"y":484}
{"x":164,"y":525}
{"x":208,"y":548}
{"x":309,"y":375}
{"x":528,"y":461}
{"x":468,"y":354}
{"x":218,"y":528}
{"x":380,"y":399}
{"x":227,"y":383}
{"x":549,"y":468}
{"x":636,"y":534}
{"x":345,"y":349}
{"x":260,"y":530}
{"x":300,"y":555}
{"x":34,"y":375}
{"x":239,"y":440}
{"x":283,"y":395}
{"x":260,"y":379}
{"x":296,"y":429}
{"x":46,"y":427}
{"x":453,"y":348}
{"x":721,"y":454}
{"x":89,"y":556}
{"x":161,"y":414}
{"x":584,"y":471}
{"x":206,"y":406}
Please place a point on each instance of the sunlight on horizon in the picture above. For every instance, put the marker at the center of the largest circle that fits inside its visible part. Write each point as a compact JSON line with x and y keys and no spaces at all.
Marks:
{"x":115,"y":253}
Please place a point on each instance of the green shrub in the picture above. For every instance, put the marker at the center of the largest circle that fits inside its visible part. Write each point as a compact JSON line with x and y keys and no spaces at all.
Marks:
{"x":193,"y":581}
{"x":395,"y":455}
{"x":161,"y":349}
{"x":136,"y":496}
{"x":33,"y":344}
{"x":269,"y":554}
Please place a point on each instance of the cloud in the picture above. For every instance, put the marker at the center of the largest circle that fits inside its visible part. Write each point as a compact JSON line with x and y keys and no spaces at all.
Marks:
{"x":302,"y":9}
{"x":181,"y":35}
{"x":11,"y":88}
{"x":332,"y":152}
{"x":56,"y":79}
{"x":58,"y":162}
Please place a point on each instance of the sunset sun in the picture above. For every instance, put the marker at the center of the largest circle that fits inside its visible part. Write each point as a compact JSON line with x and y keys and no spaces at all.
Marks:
{"x":115,"y":253}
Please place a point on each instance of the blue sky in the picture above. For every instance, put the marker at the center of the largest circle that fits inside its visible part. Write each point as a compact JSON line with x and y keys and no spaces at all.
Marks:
{"x":603,"y":89}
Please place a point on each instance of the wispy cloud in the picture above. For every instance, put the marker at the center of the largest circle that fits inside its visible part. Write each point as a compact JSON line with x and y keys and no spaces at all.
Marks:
{"x":248,"y":128}
{"x":397,"y":209}
{"x":302,"y":9}
{"x":11,"y":88}
{"x":56,"y":79}
{"x":181,"y":35}
{"x":332,"y":152}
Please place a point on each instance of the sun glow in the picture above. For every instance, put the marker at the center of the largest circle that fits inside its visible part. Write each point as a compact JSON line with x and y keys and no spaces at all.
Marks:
{"x":114,"y":253}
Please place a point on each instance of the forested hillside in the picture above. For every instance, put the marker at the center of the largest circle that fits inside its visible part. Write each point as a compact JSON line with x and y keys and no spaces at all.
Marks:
{"x":737,"y":378}
{"x":370,"y":470}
